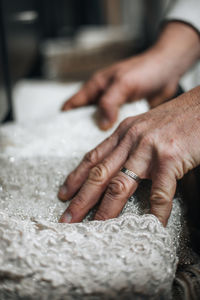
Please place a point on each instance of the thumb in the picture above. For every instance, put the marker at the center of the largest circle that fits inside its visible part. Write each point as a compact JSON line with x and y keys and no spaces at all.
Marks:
{"x":162,"y":193}
{"x":109,"y":105}
{"x":167,"y":93}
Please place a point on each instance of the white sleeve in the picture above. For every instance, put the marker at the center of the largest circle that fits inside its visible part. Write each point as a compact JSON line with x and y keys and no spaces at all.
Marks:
{"x":187,"y":11}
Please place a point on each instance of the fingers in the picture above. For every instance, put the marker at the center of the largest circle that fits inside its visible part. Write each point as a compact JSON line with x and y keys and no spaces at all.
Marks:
{"x":85,"y":96}
{"x":89,"y":92}
{"x":109,"y":90}
{"x":95,"y":185}
{"x":109,"y":105}
{"x":120,"y":189}
{"x":80,"y":174}
{"x":75,"y":179}
{"x":162,"y":193}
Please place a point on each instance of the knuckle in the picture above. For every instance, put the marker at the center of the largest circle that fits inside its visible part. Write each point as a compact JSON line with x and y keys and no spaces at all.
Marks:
{"x":91,"y":158}
{"x":171,"y":157}
{"x":121,"y":78}
{"x":99,"y":173}
{"x":170,"y":151}
{"x":133,"y":132}
{"x":171,"y":161}
{"x":160,"y":198}
{"x":113,"y":140}
{"x":77,"y":203}
{"x":117,"y":187}
{"x":147,"y":139}
{"x":118,"y":75}
{"x":168,"y":155}
{"x":122,"y":126}
{"x":101,"y":214}
{"x":98,"y":80}
{"x":123,"y":84}
{"x":125,"y":123}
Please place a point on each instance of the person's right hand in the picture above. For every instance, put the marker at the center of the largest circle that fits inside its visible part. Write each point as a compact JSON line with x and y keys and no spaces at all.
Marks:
{"x":153,"y":75}
{"x":162,"y":145}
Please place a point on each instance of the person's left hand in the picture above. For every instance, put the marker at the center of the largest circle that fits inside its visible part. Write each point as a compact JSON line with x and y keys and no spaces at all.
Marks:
{"x":162,"y":145}
{"x":153,"y":75}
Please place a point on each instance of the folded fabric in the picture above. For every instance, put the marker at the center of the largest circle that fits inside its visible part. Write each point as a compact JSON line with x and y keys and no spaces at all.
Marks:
{"x":132,"y":256}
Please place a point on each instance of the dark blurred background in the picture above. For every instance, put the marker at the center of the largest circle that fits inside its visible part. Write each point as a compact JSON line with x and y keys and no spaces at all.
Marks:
{"x":47,"y":48}
{"x":63,"y":41}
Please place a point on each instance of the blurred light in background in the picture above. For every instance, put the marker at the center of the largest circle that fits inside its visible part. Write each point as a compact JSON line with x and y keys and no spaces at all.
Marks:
{"x":44,"y":42}
{"x":62,"y":40}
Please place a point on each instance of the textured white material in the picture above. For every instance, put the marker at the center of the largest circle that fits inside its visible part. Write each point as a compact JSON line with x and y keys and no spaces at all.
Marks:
{"x":132,"y":256}
{"x":35,"y":100}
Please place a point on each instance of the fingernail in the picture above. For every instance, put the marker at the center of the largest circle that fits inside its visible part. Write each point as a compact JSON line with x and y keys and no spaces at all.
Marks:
{"x":65,"y":218}
{"x":63,"y":191}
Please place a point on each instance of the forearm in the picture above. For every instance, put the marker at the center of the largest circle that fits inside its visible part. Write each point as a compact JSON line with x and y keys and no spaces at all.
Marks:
{"x":178,"y":47}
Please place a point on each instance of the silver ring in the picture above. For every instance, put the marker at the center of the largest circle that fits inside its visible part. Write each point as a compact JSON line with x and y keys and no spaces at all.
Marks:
{"x":131,"y":174}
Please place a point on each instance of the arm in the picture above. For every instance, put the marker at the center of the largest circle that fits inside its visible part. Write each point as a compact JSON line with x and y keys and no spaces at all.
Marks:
{"x":153,"y":74}
{"x":161,"y":145}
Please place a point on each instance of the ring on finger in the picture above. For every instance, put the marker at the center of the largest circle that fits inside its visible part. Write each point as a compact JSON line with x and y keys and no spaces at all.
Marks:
{"x":131,"y":174}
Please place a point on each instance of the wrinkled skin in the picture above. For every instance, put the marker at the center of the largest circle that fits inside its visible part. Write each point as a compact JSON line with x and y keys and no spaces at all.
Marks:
{"x":162,"y":144}
{"x":153,"y":75}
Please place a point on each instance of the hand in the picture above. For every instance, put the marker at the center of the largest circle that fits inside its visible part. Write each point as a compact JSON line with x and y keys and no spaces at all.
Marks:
{"x":153,"y":75}
{"x":162,"y":145}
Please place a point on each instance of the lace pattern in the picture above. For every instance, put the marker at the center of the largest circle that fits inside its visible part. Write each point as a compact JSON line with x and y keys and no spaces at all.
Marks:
{"x":132,"y":255}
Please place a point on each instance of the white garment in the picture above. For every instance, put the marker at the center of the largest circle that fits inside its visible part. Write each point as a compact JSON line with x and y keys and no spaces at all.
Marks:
{"x":187,"y":11}
{"x":160,"y":11}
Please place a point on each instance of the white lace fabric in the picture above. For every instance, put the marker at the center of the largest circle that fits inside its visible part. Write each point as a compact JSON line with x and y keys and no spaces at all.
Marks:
{"x":129,"y":256}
